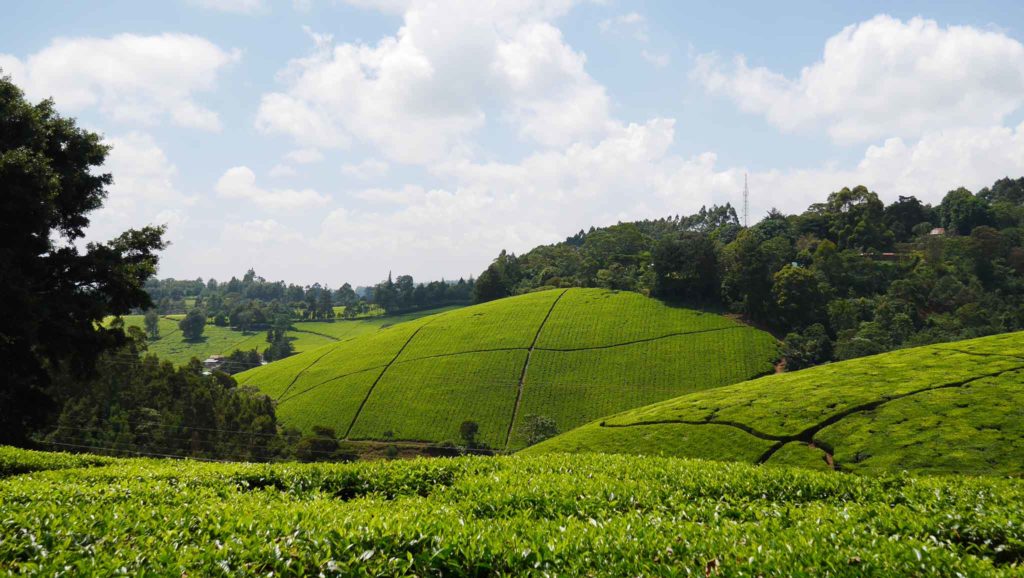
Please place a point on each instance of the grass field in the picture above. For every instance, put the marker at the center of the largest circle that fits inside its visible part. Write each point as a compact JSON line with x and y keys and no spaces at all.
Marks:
{"x":571,"y":355}
{"x":304,"y":335}
{"x":956,"y":407}
{"x":553,"y":515}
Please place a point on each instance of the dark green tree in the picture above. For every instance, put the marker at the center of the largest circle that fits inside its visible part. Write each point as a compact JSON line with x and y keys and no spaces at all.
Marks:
{"x":467,"y":431}
{"x":961,"y":211}
{"x":320,"y":446}
{"x":686,"y":267}
{"x":56,"y":292}
{"x":800,"y":295}
{"x":152,"y":322}
{"x":193,"y":324}
{"x":538,"y":428}
{"x":807,"y":348}
{"x":489,"y":286}
{"x":855,"y":218}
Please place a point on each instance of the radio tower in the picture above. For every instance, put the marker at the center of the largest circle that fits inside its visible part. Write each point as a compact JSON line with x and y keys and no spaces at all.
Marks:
{"x":746,"y":201}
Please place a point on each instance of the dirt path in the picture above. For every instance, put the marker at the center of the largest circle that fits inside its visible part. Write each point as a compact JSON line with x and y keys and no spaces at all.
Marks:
{"x":526,"y":367}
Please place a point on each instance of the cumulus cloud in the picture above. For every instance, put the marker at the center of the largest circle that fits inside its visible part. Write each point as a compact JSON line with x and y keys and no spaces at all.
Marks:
{"x":240,"y":183}
{"x":365,"y":170}
{"x":419,"y":95}
{"x":258,"y":231}
{"x":304,"y":156}
{"x":144,"y":190}
{"x":129,"y":78}
{"x":279,"y":171}
{"x":631,"y":174}
{"x":884,"y":77}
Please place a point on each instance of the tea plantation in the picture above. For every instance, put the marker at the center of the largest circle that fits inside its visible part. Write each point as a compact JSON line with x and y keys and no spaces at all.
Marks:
{"x":954,"y":407}
{"x":572,"y":355}
{"x":593,"y":515}
{"x":304,"y":335}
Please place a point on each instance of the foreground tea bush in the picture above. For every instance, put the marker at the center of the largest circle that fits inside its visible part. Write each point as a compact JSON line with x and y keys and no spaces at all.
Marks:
{"x":548,"y":515}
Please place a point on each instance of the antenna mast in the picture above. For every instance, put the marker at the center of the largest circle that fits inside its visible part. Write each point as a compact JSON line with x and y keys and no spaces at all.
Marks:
{"x":746,"y":201}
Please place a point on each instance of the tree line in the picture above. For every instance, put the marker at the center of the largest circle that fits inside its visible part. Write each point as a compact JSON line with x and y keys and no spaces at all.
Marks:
{"x":848,"y":277}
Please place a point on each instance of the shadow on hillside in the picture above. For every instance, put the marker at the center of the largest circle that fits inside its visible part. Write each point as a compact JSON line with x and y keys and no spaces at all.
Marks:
{"x":717,"y":308}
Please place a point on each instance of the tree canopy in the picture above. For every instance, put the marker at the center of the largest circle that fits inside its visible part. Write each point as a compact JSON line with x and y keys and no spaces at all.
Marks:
{"x":55,"y":291}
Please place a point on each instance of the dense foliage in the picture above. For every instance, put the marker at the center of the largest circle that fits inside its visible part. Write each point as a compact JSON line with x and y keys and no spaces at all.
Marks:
{"x":848,"y":277}
{"x":139,"y":404}
{"x":948,"y":408}
{"x":254,"y":302}
{"x":511,"y":516}
{"x":520,"y":368}
{"x":54,"y":291}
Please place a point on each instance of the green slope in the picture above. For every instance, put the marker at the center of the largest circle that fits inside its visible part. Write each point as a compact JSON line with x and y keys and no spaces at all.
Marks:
{"x":956,"y":407}
{"x":304,"y":335}
{"x":558,"y":515}
{"x":572,"y":355}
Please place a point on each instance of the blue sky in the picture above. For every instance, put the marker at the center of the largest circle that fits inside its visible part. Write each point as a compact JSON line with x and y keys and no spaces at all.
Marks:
{"x":333,"y":141}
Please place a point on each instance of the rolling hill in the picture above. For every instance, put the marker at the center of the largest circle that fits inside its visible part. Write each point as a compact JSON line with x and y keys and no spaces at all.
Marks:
{"x":572,"y":355}
{"x":952,"y":407}
{"x":304,"y":335}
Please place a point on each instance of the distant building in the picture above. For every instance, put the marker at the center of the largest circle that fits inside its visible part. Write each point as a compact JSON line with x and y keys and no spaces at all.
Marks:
{"x":938,"y":231}
{"x":213,"y":362}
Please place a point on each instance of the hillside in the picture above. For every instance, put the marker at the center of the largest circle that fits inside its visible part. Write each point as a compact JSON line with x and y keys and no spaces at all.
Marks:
{"x":579,"y":515}
{"x":304,"y":335}
{"x":570,"y":355}
{"x":956,"y":407}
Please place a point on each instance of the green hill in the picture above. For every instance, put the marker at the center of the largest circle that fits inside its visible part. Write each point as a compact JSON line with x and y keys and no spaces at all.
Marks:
{"x":954,"y":407}
{"x":565,"y":515}
{"x":572,"y":355}
{"x":304,"y":335}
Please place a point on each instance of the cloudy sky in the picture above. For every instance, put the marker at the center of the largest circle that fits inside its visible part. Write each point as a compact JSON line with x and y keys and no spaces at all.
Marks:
{"x":335,"y":140}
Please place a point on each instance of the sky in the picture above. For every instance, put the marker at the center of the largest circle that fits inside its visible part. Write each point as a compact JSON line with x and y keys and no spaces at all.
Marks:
{"x":336,"y":141}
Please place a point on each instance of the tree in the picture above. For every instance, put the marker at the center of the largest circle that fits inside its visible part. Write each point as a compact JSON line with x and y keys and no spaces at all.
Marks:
{"x":686,"y":267}
{"x":320,"y":446}
{"x":855,"y":219}
{"x":805,"y":349}
{"x":50,"y":185}
{"x":538,"y":428}
{"x":280,"y":348}
{"x":489,"y":286}
{"x":467,"y":431}
{"x":800,"y":297}
{"x":239,"y":361}
{"x":193,"y":324}
{"x":152,"y":321}
{"x":902,"y":216}
{"x":961,"y":211}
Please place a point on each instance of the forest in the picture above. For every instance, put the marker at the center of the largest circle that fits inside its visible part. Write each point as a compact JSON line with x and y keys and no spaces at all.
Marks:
{"x":848,"y":277}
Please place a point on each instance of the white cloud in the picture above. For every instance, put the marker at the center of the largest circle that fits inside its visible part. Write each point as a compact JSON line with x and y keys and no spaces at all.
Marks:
{"x":885,"y":77}
{"x":408,"y":194}
{"x":632,"y":23}
{"x":304,"y":156}
{"x":366,"y":170}
{"x":235,"y":6}
{"x":144,"y":190}
{"x":240,"y":183}
{"x":258,"y":231}
{"x":279,"y":171}
{"x":129,"y":78}
{"x":420,"y":95}
{"x":658,"y":59}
